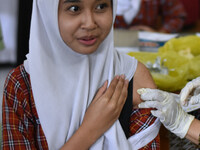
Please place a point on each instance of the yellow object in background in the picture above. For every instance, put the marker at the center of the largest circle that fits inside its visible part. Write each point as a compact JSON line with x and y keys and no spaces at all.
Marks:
{"x":175,"y":63}
{"x":183,"y":44}
{"x":191,"y":42}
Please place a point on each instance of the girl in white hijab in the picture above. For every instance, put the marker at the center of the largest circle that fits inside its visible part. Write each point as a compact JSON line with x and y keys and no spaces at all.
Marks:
{"x":71,"y":56}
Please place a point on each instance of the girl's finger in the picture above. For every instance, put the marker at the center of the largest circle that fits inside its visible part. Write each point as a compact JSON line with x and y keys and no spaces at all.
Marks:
{"x":118,"y":89}
{"x":124,"y":93}
{"x":101,"y":90}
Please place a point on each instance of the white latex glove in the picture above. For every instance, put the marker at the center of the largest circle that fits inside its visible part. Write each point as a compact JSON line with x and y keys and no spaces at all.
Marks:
{"x":170,"y":113}
{"x":191,"y":86}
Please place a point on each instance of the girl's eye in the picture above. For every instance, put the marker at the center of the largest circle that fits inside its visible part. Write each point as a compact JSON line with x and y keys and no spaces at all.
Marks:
{"x":102,"y":6}
{"x":74,"y":8}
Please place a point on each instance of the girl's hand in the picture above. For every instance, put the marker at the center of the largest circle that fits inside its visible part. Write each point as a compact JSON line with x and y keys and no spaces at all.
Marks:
{"x":106,"y":107}
{"x":100,"y":115}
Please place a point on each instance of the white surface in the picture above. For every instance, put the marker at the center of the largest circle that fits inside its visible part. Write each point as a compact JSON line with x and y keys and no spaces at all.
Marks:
{"x":127,"y":49}
{"x":8,"y":56}
{"x":154,"y":36}
{"x":8,"y":21}
{"x":198,"y":34}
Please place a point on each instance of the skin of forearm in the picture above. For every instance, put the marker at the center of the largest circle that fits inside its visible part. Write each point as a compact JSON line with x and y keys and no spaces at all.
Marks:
{"x":82,"y":139}
{"x":194,"y":131}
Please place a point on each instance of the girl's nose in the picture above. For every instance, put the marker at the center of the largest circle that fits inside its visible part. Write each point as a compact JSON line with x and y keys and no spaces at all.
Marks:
{"x":88,"y":21}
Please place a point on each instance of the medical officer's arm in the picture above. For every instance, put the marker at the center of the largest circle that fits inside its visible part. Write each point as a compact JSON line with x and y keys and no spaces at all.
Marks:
{"x":171,"y":114}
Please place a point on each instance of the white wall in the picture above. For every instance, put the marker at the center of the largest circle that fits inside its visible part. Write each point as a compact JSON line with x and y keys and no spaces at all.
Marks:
{"x":8,"y":21}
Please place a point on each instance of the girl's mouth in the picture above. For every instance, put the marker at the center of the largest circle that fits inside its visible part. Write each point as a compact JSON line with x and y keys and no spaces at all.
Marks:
{"x":88,"y":41}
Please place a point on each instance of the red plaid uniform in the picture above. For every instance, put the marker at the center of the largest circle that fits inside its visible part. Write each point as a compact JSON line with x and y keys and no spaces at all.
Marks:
{"x":140,"y":120}
{"x":21,"y":125}
{"x":172,"y":14}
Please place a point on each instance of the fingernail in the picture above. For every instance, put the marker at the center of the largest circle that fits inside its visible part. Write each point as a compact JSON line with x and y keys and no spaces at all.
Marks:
{"x":141,"y":91}
{"x":123,"y":76}
{"x":117,"y":76}
{"x":127,"y":81}
{"x":105,"y":82}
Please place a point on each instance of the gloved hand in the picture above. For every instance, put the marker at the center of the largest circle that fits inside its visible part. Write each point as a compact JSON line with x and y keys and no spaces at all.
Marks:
{"x":191,"y":86}
{"x":170,"y":113}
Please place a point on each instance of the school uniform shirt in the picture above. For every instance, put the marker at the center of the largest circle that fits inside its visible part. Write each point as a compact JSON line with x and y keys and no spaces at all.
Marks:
{"x":171,"y":13}
{"x":21,"y":125}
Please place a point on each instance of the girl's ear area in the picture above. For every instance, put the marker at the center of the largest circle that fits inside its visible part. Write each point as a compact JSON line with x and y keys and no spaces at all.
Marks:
{"x":59,"y":5}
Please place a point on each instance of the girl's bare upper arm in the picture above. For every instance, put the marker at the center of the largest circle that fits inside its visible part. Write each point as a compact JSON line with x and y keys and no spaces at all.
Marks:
{"x":142,"y":79}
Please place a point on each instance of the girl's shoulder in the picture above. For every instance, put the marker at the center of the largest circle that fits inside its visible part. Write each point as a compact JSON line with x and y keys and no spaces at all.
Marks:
{"x":18,"y":77}
{"x":17,"y":85}
{"x":142,"y":79}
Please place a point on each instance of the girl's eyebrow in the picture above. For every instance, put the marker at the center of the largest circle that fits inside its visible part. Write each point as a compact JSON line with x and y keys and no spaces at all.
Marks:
{"x":72,"y":1}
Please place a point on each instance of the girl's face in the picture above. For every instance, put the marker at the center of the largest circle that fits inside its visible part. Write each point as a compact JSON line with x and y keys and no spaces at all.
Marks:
{"x":84,"y":24}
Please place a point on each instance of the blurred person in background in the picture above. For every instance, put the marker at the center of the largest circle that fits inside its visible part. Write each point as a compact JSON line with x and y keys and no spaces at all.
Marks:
{"x":165,"y":16}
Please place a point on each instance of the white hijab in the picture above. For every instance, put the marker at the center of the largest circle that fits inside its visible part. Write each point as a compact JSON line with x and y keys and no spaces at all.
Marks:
{"x":64,"y":82}
{"x":128,"y":9}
